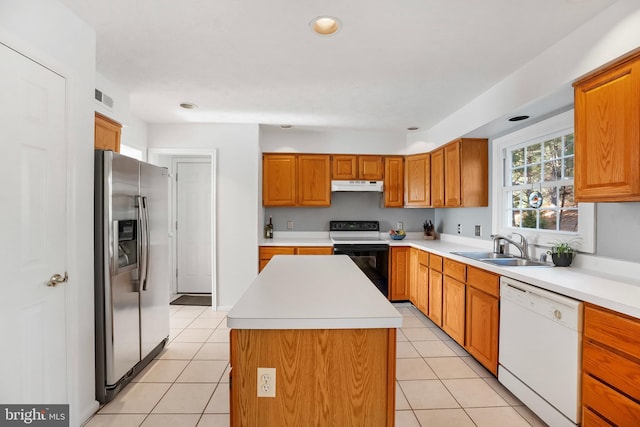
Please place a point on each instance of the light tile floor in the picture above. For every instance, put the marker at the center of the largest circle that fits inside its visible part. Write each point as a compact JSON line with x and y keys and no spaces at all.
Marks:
{"x":438,"y":383}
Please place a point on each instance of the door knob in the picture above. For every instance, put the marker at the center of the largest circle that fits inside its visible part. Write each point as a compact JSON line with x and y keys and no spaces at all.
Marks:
{"x":58,"y":278}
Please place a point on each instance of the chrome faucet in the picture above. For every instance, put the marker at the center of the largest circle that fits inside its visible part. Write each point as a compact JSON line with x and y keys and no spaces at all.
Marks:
{"x":523,"y":246}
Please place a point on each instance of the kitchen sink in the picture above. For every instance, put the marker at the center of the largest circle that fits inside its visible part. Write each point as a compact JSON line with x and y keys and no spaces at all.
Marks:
{"x":502,"y":260}
{"x":482,"y":255}
{"x":514,"y":262}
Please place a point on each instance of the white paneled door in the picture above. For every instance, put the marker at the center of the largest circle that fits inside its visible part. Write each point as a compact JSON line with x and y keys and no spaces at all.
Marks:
{"x":194,"y":227}
{"x":33,"y":367}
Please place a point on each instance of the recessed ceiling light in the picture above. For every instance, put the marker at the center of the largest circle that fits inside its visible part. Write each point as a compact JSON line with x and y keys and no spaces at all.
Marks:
{"x":413,"y":128}
{"x":188,"y":105}
{"x":286,"y":126}
{"x":518,"y":118}
{"x":325,"y":25}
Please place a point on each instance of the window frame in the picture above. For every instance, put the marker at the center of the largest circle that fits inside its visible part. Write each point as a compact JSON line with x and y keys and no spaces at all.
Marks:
{"x":548,"y":128}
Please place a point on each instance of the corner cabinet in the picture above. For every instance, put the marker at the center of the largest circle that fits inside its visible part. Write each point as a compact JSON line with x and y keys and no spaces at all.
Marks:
{"x":607,"y":133}
{"x":106,"y":133}
{"x":393,"y":181}
{"x":296,"y":180}
{"x":466,"y":173}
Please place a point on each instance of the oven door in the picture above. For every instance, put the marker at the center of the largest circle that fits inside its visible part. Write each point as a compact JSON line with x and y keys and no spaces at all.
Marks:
{"x":372,"y":259}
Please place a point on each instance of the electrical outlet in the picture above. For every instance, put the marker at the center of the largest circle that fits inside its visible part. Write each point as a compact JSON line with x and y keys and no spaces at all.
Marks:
{"x":459,"y":228}
{"x":399,"y":225}
{"x":478,"y":230}
{"x":289,"y":225}
{"x":266,"y":382}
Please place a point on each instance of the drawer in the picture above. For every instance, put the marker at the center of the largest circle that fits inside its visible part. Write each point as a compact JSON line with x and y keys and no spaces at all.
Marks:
{"x":484,"y":281}
{"x":617,"y":371}
{"x":615,"y":407}
{"x":591,"y":419}
{"x":612,"y":329}
{"x":314,"y":250}
{"x":423,"y":257}
{"x":455,"y":269}
{"x":435,"y":262}
{"x":266,"y":252}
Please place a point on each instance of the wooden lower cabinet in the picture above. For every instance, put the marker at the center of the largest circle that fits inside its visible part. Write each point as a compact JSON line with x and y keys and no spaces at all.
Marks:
{"x":399,"y":274}
{"x":483,"y":317}
{"x":610,"y":368}
{"x":422,"y":285}
{"x":324,"y":377}
{"x":453,"y":308}
{"x":435,"y":289}
{"x":265,"y":253}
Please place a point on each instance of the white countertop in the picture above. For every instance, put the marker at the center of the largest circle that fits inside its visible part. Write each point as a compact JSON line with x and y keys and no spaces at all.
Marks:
{"x":602,"y":283}
{"x":312,"y":292}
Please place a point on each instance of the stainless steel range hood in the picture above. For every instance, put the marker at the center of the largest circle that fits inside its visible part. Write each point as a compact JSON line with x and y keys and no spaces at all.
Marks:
{"x":357,"y":186}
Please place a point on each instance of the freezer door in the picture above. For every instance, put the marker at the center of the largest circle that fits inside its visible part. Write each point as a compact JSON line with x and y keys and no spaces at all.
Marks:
{"x":117,"y":319}
{"x":154,"y":294}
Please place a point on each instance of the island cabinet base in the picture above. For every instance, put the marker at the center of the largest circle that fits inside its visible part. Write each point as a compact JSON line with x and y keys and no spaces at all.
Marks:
{"x":324,"y":377}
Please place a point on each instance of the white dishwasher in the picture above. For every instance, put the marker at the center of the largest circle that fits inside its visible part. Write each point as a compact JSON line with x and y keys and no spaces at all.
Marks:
{"x":540,"y":350}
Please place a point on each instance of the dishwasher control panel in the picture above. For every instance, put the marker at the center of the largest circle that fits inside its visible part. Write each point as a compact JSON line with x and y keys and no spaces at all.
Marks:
{"x":555,"y":307}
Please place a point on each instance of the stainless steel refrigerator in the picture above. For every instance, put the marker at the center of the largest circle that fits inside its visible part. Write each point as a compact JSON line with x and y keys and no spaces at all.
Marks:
{"x":131,"y":268}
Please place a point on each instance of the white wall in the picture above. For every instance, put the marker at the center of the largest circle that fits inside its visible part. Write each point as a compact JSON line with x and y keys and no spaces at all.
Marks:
{"x":602,"y":39}
{"x":238,"y":200}
{"x":47,"y":32}
{"x":134,"y":130}
{"x":325,"y":140}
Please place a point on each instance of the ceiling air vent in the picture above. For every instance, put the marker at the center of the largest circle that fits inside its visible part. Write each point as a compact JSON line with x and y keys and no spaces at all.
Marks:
{"x":103,"y":98}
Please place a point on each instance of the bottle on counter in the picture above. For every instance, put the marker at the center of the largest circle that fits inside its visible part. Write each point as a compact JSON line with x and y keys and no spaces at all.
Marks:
{"x":268,"y":230}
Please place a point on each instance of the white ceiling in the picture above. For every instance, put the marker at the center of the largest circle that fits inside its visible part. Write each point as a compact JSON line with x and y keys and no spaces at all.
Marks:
{"x":394,"y":63}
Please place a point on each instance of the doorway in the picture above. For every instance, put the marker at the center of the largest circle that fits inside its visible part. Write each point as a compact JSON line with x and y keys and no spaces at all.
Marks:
{"x":169,"y":157}
{"x":193,"y":225}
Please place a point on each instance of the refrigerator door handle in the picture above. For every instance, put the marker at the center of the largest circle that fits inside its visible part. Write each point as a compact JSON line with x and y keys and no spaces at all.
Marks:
{"x":142,"y":260}
{"x":146,"y":242}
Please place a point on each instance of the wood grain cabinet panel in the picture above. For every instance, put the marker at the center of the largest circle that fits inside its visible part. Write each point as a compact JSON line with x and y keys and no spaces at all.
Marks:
{"x":399,"y":276}
{"x":422,"y":275}
{"x":267,"y":252}
{"x":607,"y":133}
{"x":314,"y":180}
{"x":357,"y":167}
{"x":370,"y":168}
{"x":437,"y":178}
{"x":466,"y":173}
{"x":417,"y":181}
{"x":106,"y":133}
{"x":393,"y":181}
{"x":482,"y":327}
{"x":610,"y":367}
{"x":279,"y":180}
{"x":435,"y":296}
{"x":325,"y":377}
{"x":453,"y":308}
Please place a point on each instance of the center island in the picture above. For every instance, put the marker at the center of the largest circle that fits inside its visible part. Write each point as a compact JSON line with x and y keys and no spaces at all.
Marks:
{"x":331,"y":337}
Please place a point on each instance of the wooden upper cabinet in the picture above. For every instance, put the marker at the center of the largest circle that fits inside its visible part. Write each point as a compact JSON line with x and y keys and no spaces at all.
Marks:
{"x":351,"y":166}
{"x":437,"y":178}
{"x":418,"y":181}
{"x":279,"y":180}
{"x":370,"y":168}
{"x":607,"y":133}
{"x":106,"y":133}
{"x":393,"y":181}
{"x":466,"y":173}
{"x":314,"y":180}
{"x":344,"y":166}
